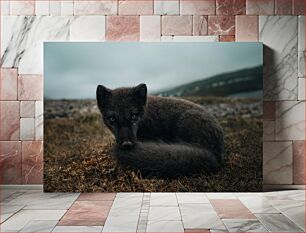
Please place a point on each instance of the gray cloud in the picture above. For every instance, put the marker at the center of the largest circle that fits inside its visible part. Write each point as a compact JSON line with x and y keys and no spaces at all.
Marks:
{"x":73,"y":70}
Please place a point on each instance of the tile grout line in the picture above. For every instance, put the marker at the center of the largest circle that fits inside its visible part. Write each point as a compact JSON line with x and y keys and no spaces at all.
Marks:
{"x":144,"y":216}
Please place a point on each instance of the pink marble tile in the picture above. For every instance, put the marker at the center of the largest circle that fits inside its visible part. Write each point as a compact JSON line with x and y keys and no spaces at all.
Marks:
{"x":135,"y":7}
{"x":283,"y":7}
{"x":97,"y":197}
{"x":9,"y":120}
{"x":247,"y":28}
{"x":200,"y":25}
{"x":27,"y":108}
{"x":22,"y":7}
{"x":231,"y":208}
{"x":200,"y":230}
{"x":260,"y":7}
{"x":105,"y":7}
{"x":269,"y":110}
{"x":176,"y":25}
{"x":86,"y":213}
{"x":122,"y":28}
{"x":10,"y":162}
{"x":299,"y":162}
{"x":197,"y":7}
{"x":221,"y":25}
{"x":298,"y":7}
{"x":227,"y":38}
{"x":230,"y":7}
{"x":8,"y":84}
{"x":30,"y":87}
{"x":32,"y":162}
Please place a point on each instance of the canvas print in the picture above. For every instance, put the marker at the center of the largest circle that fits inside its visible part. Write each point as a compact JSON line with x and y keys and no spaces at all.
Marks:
{"x":153,"y":117}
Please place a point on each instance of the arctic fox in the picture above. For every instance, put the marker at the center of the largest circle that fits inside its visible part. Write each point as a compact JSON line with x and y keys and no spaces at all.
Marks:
{"x":161,"y":136}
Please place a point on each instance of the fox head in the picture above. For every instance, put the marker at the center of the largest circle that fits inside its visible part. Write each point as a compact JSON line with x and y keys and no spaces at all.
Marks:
{"x":122,"y":109}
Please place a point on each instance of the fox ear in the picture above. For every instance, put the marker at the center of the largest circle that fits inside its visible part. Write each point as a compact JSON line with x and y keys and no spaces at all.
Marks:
{"x":141,"y":93}
{"x":103,"y":94}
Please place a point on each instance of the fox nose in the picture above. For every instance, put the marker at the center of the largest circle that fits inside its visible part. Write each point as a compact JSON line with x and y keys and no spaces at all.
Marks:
{"x":127,"y":145}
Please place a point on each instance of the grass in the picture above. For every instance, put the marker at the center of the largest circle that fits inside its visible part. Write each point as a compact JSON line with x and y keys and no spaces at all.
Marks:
{"x":77,"y":160}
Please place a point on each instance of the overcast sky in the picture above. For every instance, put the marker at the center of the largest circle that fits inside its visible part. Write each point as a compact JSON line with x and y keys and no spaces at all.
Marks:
{"x":73,"y":70}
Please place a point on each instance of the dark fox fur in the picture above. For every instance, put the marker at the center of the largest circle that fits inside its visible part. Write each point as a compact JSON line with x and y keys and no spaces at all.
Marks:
{"x":161,"y":136}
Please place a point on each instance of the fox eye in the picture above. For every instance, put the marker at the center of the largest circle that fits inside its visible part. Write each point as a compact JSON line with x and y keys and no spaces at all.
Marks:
{"x":134,"y":117}
{"x":112,"y":119}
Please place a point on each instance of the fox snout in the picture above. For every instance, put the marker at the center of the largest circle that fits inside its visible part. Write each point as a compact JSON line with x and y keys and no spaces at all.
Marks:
{"x":126,"y":139}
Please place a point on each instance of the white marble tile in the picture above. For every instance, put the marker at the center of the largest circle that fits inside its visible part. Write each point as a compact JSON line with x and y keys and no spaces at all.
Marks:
{"x":39,"y":120}
{"x":242,"y":225}
{"x":42,"y":7}
{"x":164,"y":7}
{"x":22,"y":7}
{"x":27,"y":109}
{"x":39,"y":226}
{"x":205,"y":217}
{"x":40,"y":200}
{"x":122,"y":219}
{"x":165,"y":226}
{"x":6,"y":194}
{"x":294,"y":210}
{"x":290,"y":120}
{"x":257,"y":205}
{"x":207,"y":220}
{"x":199,"y":198}
{"x":277,"y":223}
{"x":277,"y":163}
{"x":87,"y":28}
{"x":150,"y":28}
{"x":75,"y":229}
{"x":55,"y":8}
{"x":8,"y":210}
{"x":66,"y":7}
{"x":5,"y":7}
{"x":124,"y":214}
{"x":27,"y":129}
{"x":301,"y":89}
{"x":279,"y":35}
{"x":268,"y":130}
{"x":163,"y":199}
{"x":129,"y":195}
{"x":164,"y":213}
{"x":301,"y":46}
{"x":189,"y":38}
{"x":295,"y":195}
{"x":20,"y":219}
{"x":22,"y":40}
{"x":6,"y":198}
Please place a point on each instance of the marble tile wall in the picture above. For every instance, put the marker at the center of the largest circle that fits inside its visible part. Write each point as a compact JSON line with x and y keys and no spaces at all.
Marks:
{"x":278,"y":24}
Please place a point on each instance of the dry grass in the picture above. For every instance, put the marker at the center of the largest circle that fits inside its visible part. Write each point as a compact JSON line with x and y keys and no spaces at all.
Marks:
{"x":77,"y":159}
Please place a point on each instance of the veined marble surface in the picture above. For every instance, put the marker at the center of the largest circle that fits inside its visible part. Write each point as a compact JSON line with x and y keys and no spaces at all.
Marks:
{"x":279,"y":35}
{"x":301,"y":46}
{"x":22,"y":40}
{"x":290,"y":120}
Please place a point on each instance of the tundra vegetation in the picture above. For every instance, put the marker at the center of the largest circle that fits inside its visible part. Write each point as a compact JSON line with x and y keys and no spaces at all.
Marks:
{"x":77,"y":146}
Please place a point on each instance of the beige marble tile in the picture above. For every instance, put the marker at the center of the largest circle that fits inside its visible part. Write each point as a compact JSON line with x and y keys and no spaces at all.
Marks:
{"x":27,"y":109}
{"x":277,"y":163}
{"x":166,"y":7}
{"x":268,"y":130}
{"x":87,"y":28}
{"x":150,"y":28}
{"x":27,"y":129}
{"x":290,"y":120}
